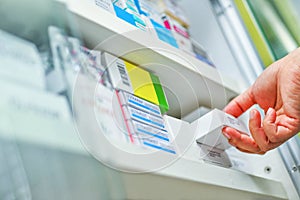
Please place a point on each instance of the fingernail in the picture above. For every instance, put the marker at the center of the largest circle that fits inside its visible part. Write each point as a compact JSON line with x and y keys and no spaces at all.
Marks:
{"x":226,"y":135}
{"x":252,"y":114}
{"x":269,"y":112}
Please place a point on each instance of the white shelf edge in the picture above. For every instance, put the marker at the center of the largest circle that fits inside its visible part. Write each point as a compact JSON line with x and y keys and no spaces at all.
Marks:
{"x":224,"y":177}
{"x":200,"y":172}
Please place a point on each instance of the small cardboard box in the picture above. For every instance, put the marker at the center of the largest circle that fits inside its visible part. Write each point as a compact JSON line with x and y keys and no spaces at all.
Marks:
{"x":209,"y":128}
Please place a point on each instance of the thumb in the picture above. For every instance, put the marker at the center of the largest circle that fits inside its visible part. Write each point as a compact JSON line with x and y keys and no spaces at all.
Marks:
{"x":241,"y":103}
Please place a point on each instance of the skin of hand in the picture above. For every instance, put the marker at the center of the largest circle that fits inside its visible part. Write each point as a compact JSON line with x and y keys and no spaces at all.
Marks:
{"x":277,"y":92}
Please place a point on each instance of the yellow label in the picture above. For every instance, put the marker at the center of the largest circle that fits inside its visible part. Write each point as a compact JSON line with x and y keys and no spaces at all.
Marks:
{"x":141,"y":83}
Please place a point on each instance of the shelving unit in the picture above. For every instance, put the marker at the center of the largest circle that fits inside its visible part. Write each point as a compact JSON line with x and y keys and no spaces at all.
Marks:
{"x":193,"y":179}
{"x":174,"y":180}
{"x":183,"y":76}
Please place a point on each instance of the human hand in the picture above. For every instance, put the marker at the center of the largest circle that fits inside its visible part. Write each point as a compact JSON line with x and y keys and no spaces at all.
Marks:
{"x":277,"y":92}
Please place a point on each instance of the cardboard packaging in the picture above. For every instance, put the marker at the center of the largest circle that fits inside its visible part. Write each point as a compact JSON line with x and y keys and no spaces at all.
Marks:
{"x":127,"y":10}
{"x":209,"y":128}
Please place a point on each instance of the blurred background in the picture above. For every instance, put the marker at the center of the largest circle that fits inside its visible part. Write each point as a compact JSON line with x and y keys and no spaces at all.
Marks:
{"x":43,"y":48}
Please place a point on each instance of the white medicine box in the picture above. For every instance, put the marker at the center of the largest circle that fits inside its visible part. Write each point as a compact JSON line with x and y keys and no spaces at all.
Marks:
{"x":208,"y":128}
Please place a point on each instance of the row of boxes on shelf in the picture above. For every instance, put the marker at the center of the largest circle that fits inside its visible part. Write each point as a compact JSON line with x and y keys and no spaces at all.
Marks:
{"x":162,"y":18}
{"x":142,"y":102}
{"x":141,"y":97}
{"x":144,"y":122}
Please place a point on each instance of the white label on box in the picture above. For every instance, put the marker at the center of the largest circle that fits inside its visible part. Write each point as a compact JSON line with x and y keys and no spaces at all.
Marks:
{"x":235,"y":123}
{"x":214,"y":156}
{"x":132,"y":113}
{"x":140,"y":128}
{"x":141,"y":104}
{"x":154,"y":143}
{"x":150,"y":140}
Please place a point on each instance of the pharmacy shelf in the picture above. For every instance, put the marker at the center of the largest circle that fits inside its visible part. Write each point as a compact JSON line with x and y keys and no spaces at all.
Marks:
{"x":184,"y":178}
{"x":188,"y":82}
{"x":180,"y":176}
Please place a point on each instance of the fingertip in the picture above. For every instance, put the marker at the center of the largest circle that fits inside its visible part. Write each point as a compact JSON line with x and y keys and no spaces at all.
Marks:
{"x":225,"y":129}
{"x":255,"y":119}
{"x":252,"y":114}
{"x":269,"y":111}
{"x":231,"y":132}
{"x":225,"y":133}
{"x":271,"y":115}
{"x":259,"y":130}
{"x":269,"y":126}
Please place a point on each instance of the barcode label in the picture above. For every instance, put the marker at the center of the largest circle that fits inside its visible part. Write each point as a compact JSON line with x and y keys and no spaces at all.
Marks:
{"x":123,"y":74}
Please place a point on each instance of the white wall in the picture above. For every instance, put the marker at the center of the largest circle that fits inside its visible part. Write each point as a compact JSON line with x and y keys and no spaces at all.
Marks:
{"x":206,"y":31}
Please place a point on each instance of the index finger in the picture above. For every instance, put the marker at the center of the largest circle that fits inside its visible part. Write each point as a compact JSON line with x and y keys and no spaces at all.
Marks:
{"x":241,"y":103}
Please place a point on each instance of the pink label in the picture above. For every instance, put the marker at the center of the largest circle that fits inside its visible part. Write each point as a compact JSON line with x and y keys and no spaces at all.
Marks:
{"x":167,"y":24}
{"x":181,"y":32}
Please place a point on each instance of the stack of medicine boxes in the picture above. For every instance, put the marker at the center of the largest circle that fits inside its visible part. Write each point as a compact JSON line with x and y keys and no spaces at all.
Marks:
{"x":142,"y":102}
{"x":164,"y":19}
